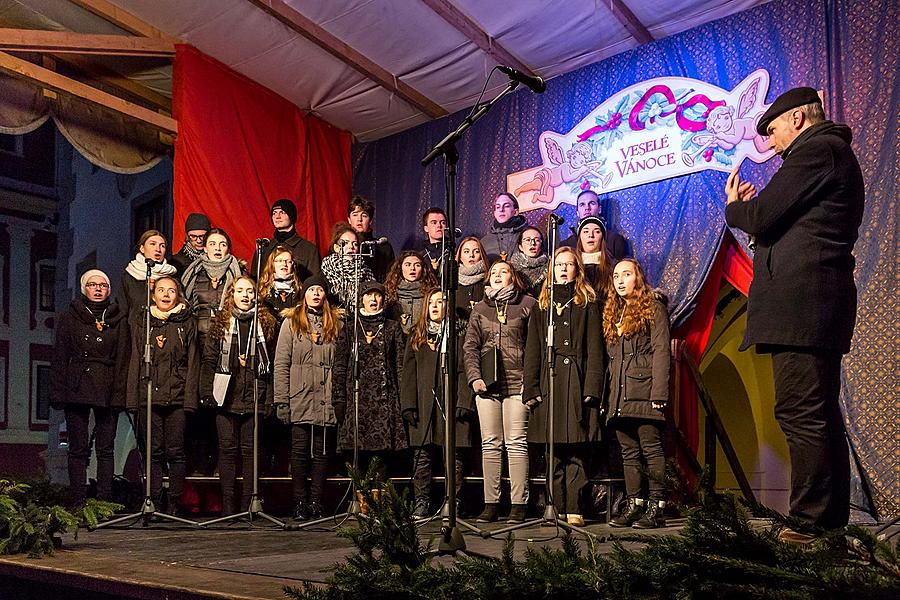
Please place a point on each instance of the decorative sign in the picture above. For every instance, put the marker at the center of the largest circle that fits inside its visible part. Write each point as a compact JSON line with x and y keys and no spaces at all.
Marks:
{"x":654,"y":130}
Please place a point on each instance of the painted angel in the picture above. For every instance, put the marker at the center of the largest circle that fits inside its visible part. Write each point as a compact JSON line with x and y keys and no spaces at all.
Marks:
{"x":580,"y":162}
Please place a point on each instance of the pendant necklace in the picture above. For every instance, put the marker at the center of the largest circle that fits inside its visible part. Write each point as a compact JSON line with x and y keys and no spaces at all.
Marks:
{"x":370,"y":335}
{"x":501,"y":314}
{"x":101,"y":322}
{"x":561,"y":307}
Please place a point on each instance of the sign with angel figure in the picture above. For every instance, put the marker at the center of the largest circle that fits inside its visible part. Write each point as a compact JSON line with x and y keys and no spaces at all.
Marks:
{"x":653,"y":130}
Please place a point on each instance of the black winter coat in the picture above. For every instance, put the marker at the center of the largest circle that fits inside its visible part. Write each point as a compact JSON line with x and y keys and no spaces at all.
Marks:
{"x":483,"y":333}
{"x":239,"y":396}
{"x":380,"y":369}
{"x":580,"y":371}
{"x":467,"y":296}
{"x":306,"y":256}
{"x":806,"y":222}
{"x":639,"y":371}
{"x":88,"y":361}
{"x":174,"y":362}
{"x":501,"y":240}
{"x":423,"y":382}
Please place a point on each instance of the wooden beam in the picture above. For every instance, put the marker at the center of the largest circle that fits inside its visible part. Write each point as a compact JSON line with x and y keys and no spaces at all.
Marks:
{"x":299,"y":23}
{"x":35,"y":40}
{"x":121,"y":18}
{"x":23,"y":69}
{"x":634,"y":26}
{"x":470,"y":29}
{"x":112,"y":78}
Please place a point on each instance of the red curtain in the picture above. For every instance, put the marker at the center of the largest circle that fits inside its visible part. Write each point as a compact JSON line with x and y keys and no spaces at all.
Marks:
{"x":240,"y":147}
{"x":736,"y":267}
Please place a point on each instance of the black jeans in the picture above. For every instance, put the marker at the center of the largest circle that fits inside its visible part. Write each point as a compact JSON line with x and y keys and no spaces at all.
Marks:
{"x":166,"y":446}
{"x":569,"y":476}
{"x":310,"y":444}
{"x":423,"y":459}
{"x":807,"y":407}
{"x":77,"y":425}
{"x":641,"y":442}
{"x":235,"y":439}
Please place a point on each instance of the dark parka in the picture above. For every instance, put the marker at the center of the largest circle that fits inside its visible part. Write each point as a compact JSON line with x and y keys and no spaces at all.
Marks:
{"x":639,"y":370}
{"x":422,"y":382}
{"x":174,"y":362}
{"x":483,"y":333}
{"x":306,"y":256}
{"x":806,"y":222}
{"x":467,"y":296}
{"x":87,"y":362}
{"x":205,"y":299}
{"x":303,"y":375}
{"x":132,"y":297}
{"x":580,"y":370}
{"x":501,"y":240}
{"x":239,"y":396}
{"x":380,"y":364}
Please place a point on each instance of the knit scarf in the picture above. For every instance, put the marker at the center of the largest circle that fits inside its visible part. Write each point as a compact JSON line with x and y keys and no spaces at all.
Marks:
{"x":262,"y":354}
{"x":469,"y":274}
{"x":229,"y":267}
{"x":532,"y":270}
{"x":163,"y":315}
{"x":339,"y":273}
{"x":285,"y":285}
{"x":137,"y":268}
{"x":503,"y":294}
{"x":191,"y":252}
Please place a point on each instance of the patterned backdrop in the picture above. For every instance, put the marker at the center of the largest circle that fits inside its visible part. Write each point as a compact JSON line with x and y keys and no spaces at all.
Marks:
{"x":848,"y":48}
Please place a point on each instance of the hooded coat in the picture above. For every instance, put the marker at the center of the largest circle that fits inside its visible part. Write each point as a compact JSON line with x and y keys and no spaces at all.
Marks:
{"x":806,"y":222}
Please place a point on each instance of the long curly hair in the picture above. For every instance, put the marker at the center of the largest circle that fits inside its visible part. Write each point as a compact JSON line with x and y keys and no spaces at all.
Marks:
{"x":267,"y":277}
{"x":634,"y":316}
{"x":395,"y":276}
{"x":583,"y":292}
{"x":299,"y":320}
{"x":419,"y":333}
{"x":221,"y":323}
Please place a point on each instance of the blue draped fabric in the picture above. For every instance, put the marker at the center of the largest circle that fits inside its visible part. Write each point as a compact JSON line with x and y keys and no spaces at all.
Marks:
{"x":847,"y":48}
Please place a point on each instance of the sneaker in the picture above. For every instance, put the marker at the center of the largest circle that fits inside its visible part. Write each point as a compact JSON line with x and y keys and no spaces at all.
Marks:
{"x":575,"y":519}
{"x":796,"y":538}
{"x":633,"y":511}
{"x":422,"y":509}
{"x":315,"y":511}
{"x":517,"y":514}
{"x":654,"y":518}
{"x":301,"y":511}
{"x":489,"y":514}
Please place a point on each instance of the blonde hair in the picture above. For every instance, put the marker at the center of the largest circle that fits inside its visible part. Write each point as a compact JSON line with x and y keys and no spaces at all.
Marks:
{"x":583,"y":292}
{"x":299,"y":319}
{"x":267,"y":277}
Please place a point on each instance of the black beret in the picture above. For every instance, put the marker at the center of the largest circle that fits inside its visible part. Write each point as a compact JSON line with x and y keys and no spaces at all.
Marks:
{"x":790,"y":99}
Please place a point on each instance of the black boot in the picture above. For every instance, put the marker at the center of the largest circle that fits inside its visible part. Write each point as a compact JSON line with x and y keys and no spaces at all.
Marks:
{"x":633,"y":511}
{"x":301,"y":511}
{"x":489,"y":514}
{"x":654,"y":518}
{"x":517,"y":513}
{"x":315,"y":510}
{"x":422,"y":510}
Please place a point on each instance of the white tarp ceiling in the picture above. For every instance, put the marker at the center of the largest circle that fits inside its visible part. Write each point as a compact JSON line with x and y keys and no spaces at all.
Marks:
{"x":411,"y":41}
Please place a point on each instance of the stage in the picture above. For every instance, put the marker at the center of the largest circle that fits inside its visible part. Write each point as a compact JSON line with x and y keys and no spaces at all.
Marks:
{"x":234,"y":561}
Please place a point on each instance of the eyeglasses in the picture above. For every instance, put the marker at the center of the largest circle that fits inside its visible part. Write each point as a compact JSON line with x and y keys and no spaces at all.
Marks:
{"x":531,"y":240}
{"x":196,"y":237}
{"x":283,"y":261}
{"x":566,"y":264}
{"x":99,"y":286}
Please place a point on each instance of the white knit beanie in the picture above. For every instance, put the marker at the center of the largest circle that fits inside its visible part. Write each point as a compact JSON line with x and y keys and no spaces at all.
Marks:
{"x":92,"y":273}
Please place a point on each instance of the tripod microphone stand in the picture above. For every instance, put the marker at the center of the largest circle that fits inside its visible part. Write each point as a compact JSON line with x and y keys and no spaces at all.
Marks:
{"x":148,"y":509}
{"x":254,"y":509}
{"x":550,"y":513}
{"x":354,"y":509}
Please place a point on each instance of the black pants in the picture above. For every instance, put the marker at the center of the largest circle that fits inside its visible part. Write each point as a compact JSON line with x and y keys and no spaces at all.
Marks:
{"x":166,"y":446}
{"x":235,"y":440}
{"x":807,"y":394}
{"x":200,"y":446}
{"x":423,"y":459}
{"x":569,"y":476}
{"x":313,"y":444}
{"x":641,"y":442}
{"x":77,"y":425}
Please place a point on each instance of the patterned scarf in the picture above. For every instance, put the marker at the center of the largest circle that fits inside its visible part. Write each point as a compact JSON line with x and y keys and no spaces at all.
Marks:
{"x":261,"y":351}
{"x":339,"y":273}
{"x":532,"y":270}
{"x":229,"y":267}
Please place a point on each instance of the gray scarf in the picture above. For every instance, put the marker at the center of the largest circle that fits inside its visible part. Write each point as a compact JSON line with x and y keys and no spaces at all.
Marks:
{"x":500,"y":295}
{"x":472,"y":273}
{"x":410,"y":301}
{"x":532,"y":270}
{"x":262,"y":354}
{"x":229,"y":267}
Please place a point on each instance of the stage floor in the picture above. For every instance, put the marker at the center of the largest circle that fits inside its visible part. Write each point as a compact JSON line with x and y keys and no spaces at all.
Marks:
{"x":233,"y":561}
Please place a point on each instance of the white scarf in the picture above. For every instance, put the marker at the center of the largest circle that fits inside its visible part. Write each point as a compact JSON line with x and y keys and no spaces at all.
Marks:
{"x":138,"y":268}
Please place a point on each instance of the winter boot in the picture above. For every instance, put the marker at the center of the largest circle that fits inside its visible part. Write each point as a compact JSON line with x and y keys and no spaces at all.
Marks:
{"x":633,"y":511}
{"x":654,"y":518}
{"x":517,"y":513}
{"x":489,"y":514}
{"x":301,"y":511}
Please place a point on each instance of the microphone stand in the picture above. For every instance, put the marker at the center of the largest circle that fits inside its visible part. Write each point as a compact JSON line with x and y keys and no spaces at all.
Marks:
{"x":451,"y":540}
{"x":255,"y":507}
{"x":148,"y":509}
{"x":550,"y":513}
{"x":353,"y":508}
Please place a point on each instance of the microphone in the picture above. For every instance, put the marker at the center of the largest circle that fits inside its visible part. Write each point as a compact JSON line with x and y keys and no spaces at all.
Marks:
{"x":263,"y":241}
{"x":378,"y":242}
{"x":150,"y":262}
{"x":534,"y":83}
{"x":555,"y":219}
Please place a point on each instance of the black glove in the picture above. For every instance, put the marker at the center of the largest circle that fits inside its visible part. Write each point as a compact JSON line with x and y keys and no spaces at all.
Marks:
{"x":208,"y":402}
{"x":411,"y":417}
{"x":340,"y":411}
{"x":533,"y":402}
{"x":283,"y":412}
{"x":464,"y":414}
